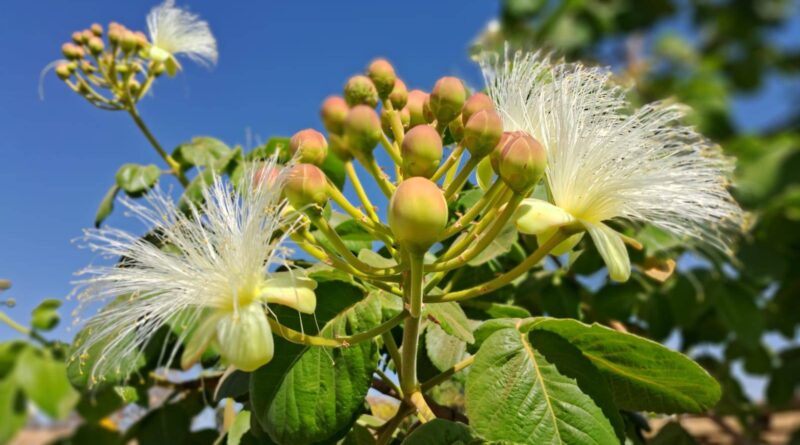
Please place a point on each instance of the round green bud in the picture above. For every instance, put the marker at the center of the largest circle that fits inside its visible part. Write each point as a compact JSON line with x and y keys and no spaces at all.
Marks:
{"x":381,"y":72}
{"x":359,"y":90}
{"x":72,"y":51}
{"x":362,"y":129}
{"x":97,"y":29}
{"x":417,"y":213}
{"x":415,"y":106}
{"x":115,"y":33}
{"x":399,"y":94}
{"x":62,"y":71}
{"x":421,"y":151}
{"x":309,"y":146}
{"x":475,"y":103}
{"x":128,"y":41}
{"x":77,"y":37}
{"x":522,"y":162}
{"x":134,"y":86}
{"x":482,"y":132}
{"x":494,"y":156}
{"x":447,"y":99}
{"x":333,"y":113}
{"x":96,"y":45}
{"x":456,"y":129}
{"x":306,"y":185}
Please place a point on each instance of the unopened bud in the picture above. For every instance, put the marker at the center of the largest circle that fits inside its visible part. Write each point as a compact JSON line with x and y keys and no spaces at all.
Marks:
{"x":97,"y":29}
{"x":381,"y":72}
{"x":399,"y":94}
{"x":266,"y":176}
{"x":309,"y":146}
{"x":72,"y":51}
{"x":522,"y":162}
{"x":306,"y":185}
{"x":386,"y":119}
{"x":77,"y":37}
{"x":475,"y":103}
{"x":417,"y":213}
{"x":333,"y":113}
{"x":86,"y":35}
{"x":426,"y":110}
{"x":494,"y":156}
{"x":415,"y":106}
{"x":134,"y":87}
{"x":141,"y":40}
{"x":456,"y":129}
{"x":62,"y":71}
{"x":362,"y":128}
{"x":115,"y":34}
{"x":360,"y":90}
{"x":421,"y":151}
{"x":159,"y":69}
{"x":96,"y":45}
{"x":447,"y":99}
{"x":128,"y":41}
{"x":482,"y":132}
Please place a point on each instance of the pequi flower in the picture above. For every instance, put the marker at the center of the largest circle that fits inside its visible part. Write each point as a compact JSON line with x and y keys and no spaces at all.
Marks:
{"x":608,"y":164}
{"x":211,"y":270}
{"x":176,"y":31}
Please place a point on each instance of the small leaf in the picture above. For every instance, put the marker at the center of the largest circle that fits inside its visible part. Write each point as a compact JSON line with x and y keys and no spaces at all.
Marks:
{"x":44,"y":381}
{"x":274,"y":145}
{"x":500,"y":245}
{"x":202,"y":151}
{"x":45,"y":316}
{"x":137,"y":179}
{"x":106,"y":205}
{"x":452,"y":319}
{"x":443,"y":349}
{"x":441,"y":432}
{"x":241,"y":425}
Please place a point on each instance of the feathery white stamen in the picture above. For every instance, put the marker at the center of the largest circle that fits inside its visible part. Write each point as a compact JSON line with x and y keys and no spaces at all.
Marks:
{"x":178,"y":31}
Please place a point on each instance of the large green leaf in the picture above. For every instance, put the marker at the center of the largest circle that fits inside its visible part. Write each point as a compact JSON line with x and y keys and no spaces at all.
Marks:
{"x":44,"y":380}
{"x":442,"y":432}
{"x":452,"y":319}
{"x":514,"y":394}
{"x":643,"y":374}
{"x":500,"y":245}
{"x":443,"y":349}
{"x":136,"y":179}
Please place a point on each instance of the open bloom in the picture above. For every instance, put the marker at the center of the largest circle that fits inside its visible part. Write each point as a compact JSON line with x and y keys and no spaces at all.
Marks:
{"x":175,"y":31}
{"x":607,"y":163}
{"x":209,"y":276}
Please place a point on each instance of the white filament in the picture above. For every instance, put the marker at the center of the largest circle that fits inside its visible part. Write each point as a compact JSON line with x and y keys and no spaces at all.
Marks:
{"x":178,"y":31}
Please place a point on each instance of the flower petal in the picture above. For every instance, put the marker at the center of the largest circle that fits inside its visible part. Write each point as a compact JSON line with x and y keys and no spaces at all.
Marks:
{"x":611,"y":247}
{"x":535,"y":217}
{"x":244,"y":338}
{"x":290,"y":289}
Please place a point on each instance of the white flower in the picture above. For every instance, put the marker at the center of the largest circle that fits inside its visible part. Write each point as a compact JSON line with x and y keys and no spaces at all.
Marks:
{"x":213,"y":275}
{"x":176,"y":31}
{"x":607,"y":163}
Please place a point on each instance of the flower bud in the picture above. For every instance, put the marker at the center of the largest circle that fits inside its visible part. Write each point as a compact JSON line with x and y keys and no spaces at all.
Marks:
{"x":266,"y":176}
{"x":306,"y":185}
{"x":62,"y":71}
{"x":77,"y":37}
{"x":362,"y":128}
{"x":134,"y":87}
{"x":359,"y":90}
{"x":415,"y":105}
{"x":417,"y":213}
{"x":333,"y":113}
{"x":86,"y":34}
{"x":381,"y":72}
{"x":96,"y":45}
{"x":475,"y":103}
{"x":97,"y":29}
{"x":128,"y":41}
{"x":72,"y":51}
{"x":447,"y":98}
{"x":456,"y":128}
{"x":386,"y":120}
{"x":399,"y":94}
{"x":141,"y":40}
{"x":115,"y":34}
{"x":426,"y":110}
{"x":482,"y":132}
{"x":309,"y":146}
{"x":494,"y":156}
{"x":522,"y":162}
{"x":421,"y":151}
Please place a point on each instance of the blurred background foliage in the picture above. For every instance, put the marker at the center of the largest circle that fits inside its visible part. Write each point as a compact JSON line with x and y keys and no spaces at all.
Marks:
{"x":740,"y":314}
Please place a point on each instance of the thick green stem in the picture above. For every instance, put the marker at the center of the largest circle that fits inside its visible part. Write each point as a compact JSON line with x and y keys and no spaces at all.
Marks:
{"x":14,"y":325}
{"x":473,"y":211}
{"x":350,"y":169}
{"x":371,"y":165}
{"x":461,"y":178}
{"x":451,"y":160}
{"x":313,"y":340}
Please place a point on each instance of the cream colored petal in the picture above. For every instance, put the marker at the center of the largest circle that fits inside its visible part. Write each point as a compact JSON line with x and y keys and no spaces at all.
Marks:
{"x":199,"y":341}
{"x":290,"y":289}
{"x":535,"y":217}
{"x":484,"y":173}
{"x":244,"y":338}
{"x":611,"y":247}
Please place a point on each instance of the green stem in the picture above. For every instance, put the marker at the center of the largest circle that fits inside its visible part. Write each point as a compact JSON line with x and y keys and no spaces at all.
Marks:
{"x":313,"y":340}
{"x":386,"y":432}
{"x":473,"y":211}
{"x":14,"y":325}
{"x":391,"y":149}
{"x":436,"y":380}
{"x":455,"y":155}
{"x":350,"y":170}
{"x":369,"y":163}
{"x":378,"y":230}
{"x":461,"y":178}
{"x":173,"y":165}
{"x":391,"y":346}
{"x":386,"y":379}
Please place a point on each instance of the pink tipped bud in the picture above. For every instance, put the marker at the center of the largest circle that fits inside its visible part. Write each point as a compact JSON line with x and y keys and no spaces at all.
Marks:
{"x":87,"y":67}
{"x":482,"y":132}
{"x":522,"y":162}
{"x":96,"y":45}
{"x":416,"y":105}
{"x":306,"y":185}
{"x":141,"y":40}
{"x":447,"y":99}
{"x":309,"y":146}
{"x":97,"y":29}
{"x":494,"y":156}
{"x":421,"y":151}
{"x":115,"y":33}
{"x":417,"y":213}
{"x":86,"y":34}
{"x":72,"y":51}
{"x":128,"y":42}
{"x":399,"y":95}
{"x":359,"y":90}
{"x":362,"y":128}
{"x":62,"y":71}
{"x":333,"y":113}
{"x":77,"y":37}
{"x":475,"y":103}
{"x":266,"y":176}
{"x":381,"y":72}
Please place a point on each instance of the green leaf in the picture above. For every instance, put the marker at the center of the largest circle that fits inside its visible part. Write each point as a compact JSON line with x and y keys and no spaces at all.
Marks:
{"x":45,"y":382}
{"x":95,"y":405}
{"x":444,"y":350}
{"x":514,"y":394}
{"x":452,"y":319}
{"x":13,"y":409}
{"x":137,"y":179}
{"x":79,"y":369}
{"x":672,"y":434}
{"x":354,"y":235}
{"x":323,"y":392}
{"x":93,"y":434}
{"x":106,"y":205}
{"x":169,"y":424}
{"x":202,"y":151}
{"x":193,"y":195}
{"x":359,"y":435}
{"x":241,"y":425}
{"x":500,"y":245}
{"x":643,"y":375}
{"x":441,"y":432}
{"x":45,"y":316}
{"x":333,"y":167}
{"x":274,"y":145}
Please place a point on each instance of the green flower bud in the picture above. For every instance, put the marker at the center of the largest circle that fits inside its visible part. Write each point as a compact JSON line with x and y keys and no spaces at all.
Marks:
{"x":77,"y":37}
{"x":86,"y":35}
{"x":456,"y":128}
{"x":415,"y":105}
{"x":306,"y":185}
{"x":72,"y":51}
{"x":141,"y":40}
{"x":421,"y":151}
{"x":381,"y":72}
{"x":87,"y":67}
{"x":359,"y":90}
{"x":128,"y":41}
{"x":475,"y":103}
{"x":447,"y":99}
{"x":333,"y":113}
{"x":494,"y":156}
{"x":62,"y":71}
{"x":134,"y":86}
{"x":482,"y":132}
{"x":97,"y":29}
{"x":426,"y":110}
{"x":310,"y":146}
{"x":96,"y":45}
{"x":417,"y":213}
{"x":115,"y":33}
{"x":399,"y":94}
{"x":522,"y":162}
{"x":362,"y":128}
